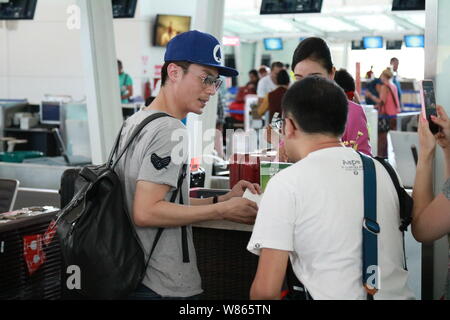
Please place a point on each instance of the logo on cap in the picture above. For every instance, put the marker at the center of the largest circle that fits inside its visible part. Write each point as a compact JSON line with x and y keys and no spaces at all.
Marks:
{"x":217,"y":54}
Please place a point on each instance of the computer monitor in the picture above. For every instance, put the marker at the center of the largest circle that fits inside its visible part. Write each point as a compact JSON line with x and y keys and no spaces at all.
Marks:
{"x":273,"y":44}
{"x":50,"y":112}
{"x":357,"y":45}
{"x":290,"y":6}
{"x":17,"y":9}
{"x":394,"y":44}
{"x":407,"y":5}
{"x":415,"y":41}
{"x":373,"y":42}
{"x":124,"y":8}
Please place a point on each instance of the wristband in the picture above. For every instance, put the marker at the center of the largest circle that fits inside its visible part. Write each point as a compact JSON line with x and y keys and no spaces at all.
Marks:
{"x":215,"y":199}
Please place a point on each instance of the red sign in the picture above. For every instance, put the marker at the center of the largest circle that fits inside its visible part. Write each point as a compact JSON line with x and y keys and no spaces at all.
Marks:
{"x":33,"y":253}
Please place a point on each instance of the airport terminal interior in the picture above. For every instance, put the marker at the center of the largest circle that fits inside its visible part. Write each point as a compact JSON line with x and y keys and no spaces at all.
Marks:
{"x":64,"y":97}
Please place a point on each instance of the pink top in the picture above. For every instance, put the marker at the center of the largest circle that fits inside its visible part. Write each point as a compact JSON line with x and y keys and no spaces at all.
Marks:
{"x":391,"y":102}
{"x":356,"y":134}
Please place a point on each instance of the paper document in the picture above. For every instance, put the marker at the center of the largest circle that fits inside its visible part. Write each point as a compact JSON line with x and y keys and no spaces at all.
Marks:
{"x":253,"y":197}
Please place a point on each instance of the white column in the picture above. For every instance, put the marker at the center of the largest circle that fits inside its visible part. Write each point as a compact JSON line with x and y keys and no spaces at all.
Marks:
{"x":101,"y":77}
{"x":437,"y":68}
{"x":208,"y":18}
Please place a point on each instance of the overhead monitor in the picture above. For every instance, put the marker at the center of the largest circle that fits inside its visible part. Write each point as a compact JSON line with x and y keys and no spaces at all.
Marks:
{"x":168,"y":26}
{"x":357,"y":45}
{"x":50,"y":112}
{"x":124,"y":8}
{"x":394,"y":44}
{"x":273,"y":44}
{"x":415,"y":41}
{"x":408,"y":5}
{"x":17,"y":9}
{"x":373,"y":42}
{"x":290,"y":6}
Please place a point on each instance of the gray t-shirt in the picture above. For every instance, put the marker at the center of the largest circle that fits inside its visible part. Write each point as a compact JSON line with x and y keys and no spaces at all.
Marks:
{"x":147,"y":159}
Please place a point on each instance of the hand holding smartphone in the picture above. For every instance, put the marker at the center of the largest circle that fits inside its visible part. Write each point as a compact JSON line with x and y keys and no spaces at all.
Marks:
{"x":428,"y":99}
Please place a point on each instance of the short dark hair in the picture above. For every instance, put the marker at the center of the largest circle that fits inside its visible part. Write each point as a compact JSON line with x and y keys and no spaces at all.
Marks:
{"x":283,"y":78}
{"x":394,"y":59}
{"x":345,"y":80}
{"x":276,"y":64}
{"x":315,"y":49}
{"x":254,"y":72}
{"x":318,"y":105}
{"x":119,"y":64}
{"x":183,"y":64}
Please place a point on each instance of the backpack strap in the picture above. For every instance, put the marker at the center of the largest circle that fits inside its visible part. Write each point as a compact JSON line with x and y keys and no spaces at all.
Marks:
{"x":371,"y":229}
{"x":405,"y":202}
{"x":133,"y":135}
{"x":172,"y":199}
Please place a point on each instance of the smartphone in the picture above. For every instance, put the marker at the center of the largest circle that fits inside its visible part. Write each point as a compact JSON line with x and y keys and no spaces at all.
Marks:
{"x":428,"y":103}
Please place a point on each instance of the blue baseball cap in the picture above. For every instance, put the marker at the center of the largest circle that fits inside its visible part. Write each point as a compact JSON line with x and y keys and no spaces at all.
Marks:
{"x":199,"y":48}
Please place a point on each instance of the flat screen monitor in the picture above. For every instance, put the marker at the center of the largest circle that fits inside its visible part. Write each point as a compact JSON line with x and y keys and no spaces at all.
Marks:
{"x":50,"y":112}
{"x":415,"y":41}
{"x":124,"y":8}
{"x":407,"y":5}
{"x":373,"y":42}
{"x":394,"y":44}
{"x":168,"y":26}
{"x":357,"y":45}
{"x":290,"y":6}
{"x":17,"y":9}
{"x":273,"y":44}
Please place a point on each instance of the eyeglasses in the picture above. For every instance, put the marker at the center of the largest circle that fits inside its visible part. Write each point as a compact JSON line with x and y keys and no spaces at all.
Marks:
{"x":211,"y":81}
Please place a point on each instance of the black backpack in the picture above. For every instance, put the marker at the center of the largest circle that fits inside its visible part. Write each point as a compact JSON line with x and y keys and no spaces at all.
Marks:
{"x":97,"y":234}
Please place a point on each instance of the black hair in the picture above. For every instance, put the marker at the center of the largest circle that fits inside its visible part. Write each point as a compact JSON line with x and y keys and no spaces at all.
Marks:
{"x":119,"y":64}
{"x":318,"y":105}
{"x":345,"y":80}
{"x":315,"y":49}
{"x":254,"y":72}
{"x":394,"y":59}
{"x":283,"y":78}
{"x":276,"y":64}
{"x":183,"y":64}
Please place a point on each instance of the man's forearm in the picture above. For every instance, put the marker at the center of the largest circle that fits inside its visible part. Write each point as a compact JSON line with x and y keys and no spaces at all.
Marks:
{"x":167,"y":214}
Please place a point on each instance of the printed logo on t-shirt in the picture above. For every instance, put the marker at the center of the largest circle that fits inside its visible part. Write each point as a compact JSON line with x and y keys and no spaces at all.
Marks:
{"x":158,"y":162}
{"x":352,"y":165}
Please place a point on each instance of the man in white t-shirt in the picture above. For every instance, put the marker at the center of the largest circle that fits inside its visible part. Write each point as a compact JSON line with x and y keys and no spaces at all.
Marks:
{"x":312,"y":212}
{"x":269,"y":82}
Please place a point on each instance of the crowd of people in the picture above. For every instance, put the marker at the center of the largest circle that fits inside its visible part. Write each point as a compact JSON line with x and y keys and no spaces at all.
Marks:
{"x":311,"y":217}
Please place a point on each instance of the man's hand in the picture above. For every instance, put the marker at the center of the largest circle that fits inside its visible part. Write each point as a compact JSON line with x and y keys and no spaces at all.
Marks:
{"x":239,"y":189}
{"x":239,"y":210}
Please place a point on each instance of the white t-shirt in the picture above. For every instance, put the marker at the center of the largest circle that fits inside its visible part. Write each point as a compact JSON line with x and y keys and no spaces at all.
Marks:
{"x":314,"y":209}
{"x":265,"y":85}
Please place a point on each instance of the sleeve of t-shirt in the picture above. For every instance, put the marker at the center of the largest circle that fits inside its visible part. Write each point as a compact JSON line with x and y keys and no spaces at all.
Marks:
{"x":274,"y":226}
{"x":128,"y":80}
{"x":261,"y":91}
{"x":165,"y":154}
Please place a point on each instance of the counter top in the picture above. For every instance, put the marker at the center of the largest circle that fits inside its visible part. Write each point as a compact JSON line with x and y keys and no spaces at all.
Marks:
{"x":224,"y":225}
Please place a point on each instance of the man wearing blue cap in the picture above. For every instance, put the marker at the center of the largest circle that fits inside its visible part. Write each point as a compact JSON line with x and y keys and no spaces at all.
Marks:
{"x":152,"y":171}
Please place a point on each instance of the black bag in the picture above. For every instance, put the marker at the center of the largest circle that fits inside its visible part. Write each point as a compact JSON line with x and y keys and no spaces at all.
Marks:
{"x":97,"y":234}
{"x":70,"y":184}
